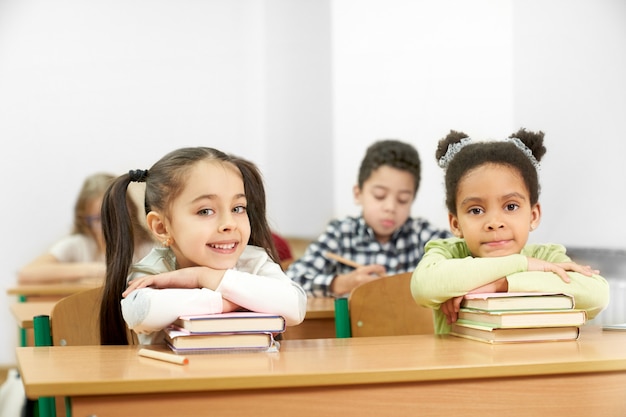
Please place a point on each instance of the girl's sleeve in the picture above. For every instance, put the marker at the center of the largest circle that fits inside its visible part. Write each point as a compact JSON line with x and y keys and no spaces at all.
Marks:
{"x":267,"y":290}
{"x":147,"y":310}
{"x":447,"y":271}
{"x":590,"y":293}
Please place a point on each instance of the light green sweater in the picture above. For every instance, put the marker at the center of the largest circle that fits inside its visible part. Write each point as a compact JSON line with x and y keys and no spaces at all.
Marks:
{"x":448,"y":270}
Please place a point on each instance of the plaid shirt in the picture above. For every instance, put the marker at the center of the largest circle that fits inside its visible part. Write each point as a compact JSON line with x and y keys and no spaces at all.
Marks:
{"x":351,"y":238}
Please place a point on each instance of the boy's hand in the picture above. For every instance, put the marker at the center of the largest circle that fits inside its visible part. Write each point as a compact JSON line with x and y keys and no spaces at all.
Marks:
{"x":560,"y":268}
{"x":343,"y":284}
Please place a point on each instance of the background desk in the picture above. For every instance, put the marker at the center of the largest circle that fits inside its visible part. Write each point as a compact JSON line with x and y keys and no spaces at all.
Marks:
{"x":39,"y":293}
{"x":319,"y":322}
{"x":24,"y":312}
{"x":370,"y":376}
{"x":51,"y":292}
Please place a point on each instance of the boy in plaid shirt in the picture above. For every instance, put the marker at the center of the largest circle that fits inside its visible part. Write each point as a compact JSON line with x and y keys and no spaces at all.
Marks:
{"x":384,"y":239}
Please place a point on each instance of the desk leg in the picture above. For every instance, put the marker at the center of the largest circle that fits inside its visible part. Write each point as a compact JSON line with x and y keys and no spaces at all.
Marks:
{"x":23,"y":334}
{"x":47,"y":407}
{"x":68,"y":407}
{"x":342,"y":318}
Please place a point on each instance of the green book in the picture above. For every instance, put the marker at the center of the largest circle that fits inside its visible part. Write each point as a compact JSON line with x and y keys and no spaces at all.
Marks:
{"x":523,"y":318}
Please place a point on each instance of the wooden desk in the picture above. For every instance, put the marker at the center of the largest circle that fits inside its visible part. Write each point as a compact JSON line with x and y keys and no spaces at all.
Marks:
{"x":51,"y":292}
{"x":367,"y":376}
{"x":47,"y":293}
{"x":319,"y":322}
{"x":24,"y":312}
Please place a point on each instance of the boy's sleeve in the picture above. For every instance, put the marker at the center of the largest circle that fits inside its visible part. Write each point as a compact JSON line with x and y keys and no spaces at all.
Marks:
{"x":313,"y":271}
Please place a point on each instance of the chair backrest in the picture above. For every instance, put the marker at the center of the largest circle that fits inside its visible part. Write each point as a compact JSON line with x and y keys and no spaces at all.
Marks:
{"x":74,"y":320}
{"x":385,"y":307}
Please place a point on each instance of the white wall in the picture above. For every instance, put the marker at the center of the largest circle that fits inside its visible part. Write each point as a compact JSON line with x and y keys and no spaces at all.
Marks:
{"x":302,"y":88}
{"x":413,"y":70}
{"x":570,"y":66}
{"x":90,"y":86}
{"x":298,"y":116}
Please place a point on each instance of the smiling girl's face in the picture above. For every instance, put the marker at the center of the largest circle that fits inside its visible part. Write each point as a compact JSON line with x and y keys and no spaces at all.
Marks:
{"x":208,"y":222}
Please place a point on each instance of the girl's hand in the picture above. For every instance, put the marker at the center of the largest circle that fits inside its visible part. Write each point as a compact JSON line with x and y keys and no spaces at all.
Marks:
{"x":192,"y":277}
{"x":228,"y":306}
{"x":499,"y":285}
{"x":560,"y":268}
{"x":451,"y":309}
{"x":343,"y":284}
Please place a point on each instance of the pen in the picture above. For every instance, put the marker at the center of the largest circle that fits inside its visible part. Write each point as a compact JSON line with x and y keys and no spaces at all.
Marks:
{"x":162,"y":356}
{"x":346,"y":261}
{"x":343,"y":260}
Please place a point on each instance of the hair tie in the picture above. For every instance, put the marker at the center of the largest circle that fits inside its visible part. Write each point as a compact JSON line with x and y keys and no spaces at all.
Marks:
{"x":522,"y":147}
{"x":138,"y":175}
{"x":452,"y":150}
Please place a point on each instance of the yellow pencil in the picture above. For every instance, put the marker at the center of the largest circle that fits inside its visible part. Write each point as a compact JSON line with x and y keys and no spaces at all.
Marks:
{"x":343,"y":260}
{"x":163,"y":356}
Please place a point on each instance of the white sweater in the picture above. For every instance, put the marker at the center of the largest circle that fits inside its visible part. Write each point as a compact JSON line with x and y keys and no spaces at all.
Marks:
{"x":256,"y":284}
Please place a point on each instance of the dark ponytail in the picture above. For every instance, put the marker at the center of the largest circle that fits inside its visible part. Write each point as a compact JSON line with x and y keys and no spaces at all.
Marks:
{"x":118,"y":228}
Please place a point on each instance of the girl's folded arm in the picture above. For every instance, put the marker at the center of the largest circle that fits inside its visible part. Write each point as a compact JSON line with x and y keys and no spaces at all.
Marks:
{"x":438,"y":278}
{"x":590,"y":293}
{"x":274,"y":294}
{"x":148,"y":310}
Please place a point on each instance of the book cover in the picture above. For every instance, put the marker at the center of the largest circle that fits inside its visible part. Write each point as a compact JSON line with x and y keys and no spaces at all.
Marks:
{"x":183,"y":341}
{"x":237,"y":321}
{"x":490,"y":334}
{"x":522,"y":318}
{"x":517,"y":301}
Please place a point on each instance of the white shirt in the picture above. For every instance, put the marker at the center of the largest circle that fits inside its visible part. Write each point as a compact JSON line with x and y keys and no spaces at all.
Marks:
{"x":76,"y":248}
{"x":81,"y":248}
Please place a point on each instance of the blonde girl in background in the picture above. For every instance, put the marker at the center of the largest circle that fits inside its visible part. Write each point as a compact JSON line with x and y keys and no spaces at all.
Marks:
{"x":81,"y":254}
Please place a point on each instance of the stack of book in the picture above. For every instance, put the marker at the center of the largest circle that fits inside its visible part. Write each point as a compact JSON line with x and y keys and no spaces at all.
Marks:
{"x":518,"y":317}
{"x":236,"y":331}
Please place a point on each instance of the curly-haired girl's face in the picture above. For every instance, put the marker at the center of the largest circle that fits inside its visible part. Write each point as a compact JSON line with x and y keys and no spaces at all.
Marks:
{"x":494,"y":214}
